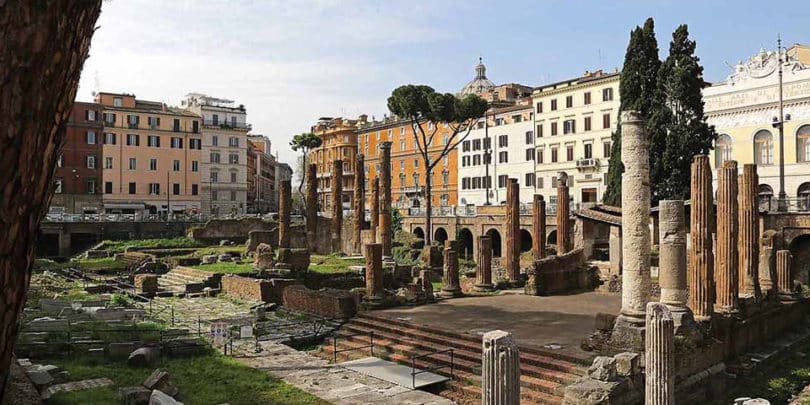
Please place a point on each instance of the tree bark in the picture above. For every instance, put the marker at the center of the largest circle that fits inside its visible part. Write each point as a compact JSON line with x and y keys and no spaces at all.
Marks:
{"x":45,"y":44}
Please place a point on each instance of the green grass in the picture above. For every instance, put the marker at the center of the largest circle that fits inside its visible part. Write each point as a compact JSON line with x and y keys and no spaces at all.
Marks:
{"x":202,"y":380}
{"x":332,"y":264}
{"x":118,"y":246}
{"x":226,"y":267}
{"x":215,"y":250}
{"x":778,"y":381}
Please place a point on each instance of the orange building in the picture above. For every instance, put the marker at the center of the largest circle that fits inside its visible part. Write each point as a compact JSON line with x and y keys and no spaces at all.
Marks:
{"x":339,"y":142}
{"x":407,"y":165}
{"x":151,"y":156}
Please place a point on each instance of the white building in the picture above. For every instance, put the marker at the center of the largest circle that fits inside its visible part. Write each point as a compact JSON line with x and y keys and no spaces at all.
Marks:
{"x":500,"y":147}
{"x":224,"y":154}
{"x":573,"y":122}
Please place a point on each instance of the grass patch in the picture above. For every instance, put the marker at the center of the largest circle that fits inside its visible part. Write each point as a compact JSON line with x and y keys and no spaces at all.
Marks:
{"x":207,"y":379}
{"x":118,"y":246}
{"x":216,"y":250}
{"x":777,"y":382}
{"x":226,"y":267}
{"x":332,"y":264}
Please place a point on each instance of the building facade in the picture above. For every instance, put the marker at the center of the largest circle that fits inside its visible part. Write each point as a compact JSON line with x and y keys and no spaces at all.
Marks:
{"x":339,"y":141}
{"x":573,"y":123}
{"x":224,"y":157}
{"x":262,"y":193}
{"x":77,"y":181}
{"x":743,"y":108}
{"x":151,"y":156}
{"x":500,"y":146}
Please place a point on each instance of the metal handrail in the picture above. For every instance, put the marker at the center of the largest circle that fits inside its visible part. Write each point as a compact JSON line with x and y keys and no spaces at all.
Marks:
{"x":335,"y":351}
{"x":414,"y":373}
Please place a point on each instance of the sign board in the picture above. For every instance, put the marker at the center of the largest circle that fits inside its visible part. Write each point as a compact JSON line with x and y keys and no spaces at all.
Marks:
{"x":246,"y":332}
{"x":219,"y":331}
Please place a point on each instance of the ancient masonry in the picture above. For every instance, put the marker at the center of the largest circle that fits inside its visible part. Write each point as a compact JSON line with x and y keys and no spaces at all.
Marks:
{"x":483,"y":269}
{"x":748,"y":236}
{"x":312,"y":204}
{"x":563,"y":215}
{"x":672,"y":257}
{"x":374,"y":275}
{"x":784,"y":278}
{"x":385,"y":199}
{"x":451,"y":286}
{"x":375,"y":208}
{"x":337,"y":204}
{"x":700,"y":275}
{"x":500,"y":369}
{"x":635,"y":221}
{"x":539,"y":227}
{"x":284,"y":208}
{"x":659,"y":352}
{"x":512,"y":230}
{"x":359,"y":202}
{"x":725,"y":263}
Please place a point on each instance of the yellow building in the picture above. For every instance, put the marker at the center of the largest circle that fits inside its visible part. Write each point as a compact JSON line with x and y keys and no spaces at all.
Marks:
{"x":339,"y":142}
{"x":151,"y":156}
{"x":742,"y":109}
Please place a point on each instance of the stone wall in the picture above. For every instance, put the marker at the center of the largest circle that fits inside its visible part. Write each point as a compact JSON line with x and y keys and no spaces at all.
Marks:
{"x":563,"y":273}
{"x":328,"y":303}
{"x":255,"y":289}
{"x":231,"y":229}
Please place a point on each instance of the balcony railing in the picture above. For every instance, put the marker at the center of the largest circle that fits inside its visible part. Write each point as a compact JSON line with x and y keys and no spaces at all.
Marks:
{"x":794,"y":204}
{"x":444,"y":211}
{"x":226,"y":125}
{"x":587,"y":163}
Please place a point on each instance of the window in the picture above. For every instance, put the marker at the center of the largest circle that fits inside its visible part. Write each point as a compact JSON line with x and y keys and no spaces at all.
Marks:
{"x":177,"y":143}
{"x":487,"y":158}
{"x":529,"y":154}
{"x":445,"y":177}
{"x":215,"y":195}
{"x":153,"y":141}
{"x":569,"y":152}
{"x":476,"y":159}
{"x":465,"y":161}
{"x":133,"y":140}
{"x":108,"y":162}
{"x":214,"y":176}
{"x":90,"y":115}
{"x":391,"y":134}
{"x":133,"y":121}
{"x":529,"y":138}
{"x":588,"y":150}
{"x":476,"y":144}
{"x":553,"y":128}
{"x":607,"y":94}
{"x":802,"y":144}
{"x":539,"y":130}
{"x":90,"y":137}
{"x":118,"y":102}
{"x":569,"y":101}
{"x":132,"y":164}
{"x":154,"y":122}
{"x":233,"y":195}
{"x":233,"y":121}
{"x":529,"y":180}
{"x":763,"y":147}
{"x":233,"y":177}
{"x":416,"y":163}
{"x":153,"y":164}
{"x":214,"y":157}
{"x":154,"y":188}
{"x":176,"y":125}
{"x":195,"y":143}
{"x":517,"y":118}
{"x":722,"y":150}
{"x":91,"y":161}
{"x":503,"y":141}
{"x":465,"y":183}
{"x":540,"y":183}
{"x":568,"y":127}
{"x":109,"y":138}
{"x":606,"y":121}
{"x":401,"y":144}
{"x":108,"y":187}
{"x":502,"y":181}
{"x":57,"y":184}
{"x":539,"y":155}
{"x":195,"y":126}
{"x":176,"y":188}
{"x":214,"y":140}
{"x":402,"y":165}
{"x":503,"y":157}
{"x":176,"y":165}
{"x":195,"y":166}
{"x":233,"y":141}
{"x":91,"y":186}
{"x":587,"y":124}
{"x":554,"y":105}
{"x":586,"y":98}
{"x":540,"y":107}
{"x":215,"y":119}
{"x":233,"y":159}
{"x":195,"y":189}
{"x":554,"y":154}
{"x":606,"y":149}
{"x":132,"y":188}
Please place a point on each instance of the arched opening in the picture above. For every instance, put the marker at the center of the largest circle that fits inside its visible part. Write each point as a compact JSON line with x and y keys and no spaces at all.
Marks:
{"x":722,"y":151}
{"x":465,"y":244}
{"x":803,"y":143}
{"x":763,"y":147}
{"x":800,"y":249}
{"x":551,"y":239}
{"x":440,"y":235}
{"x":495,"y":236}
{"x":419,"y":232}
{"x":765,"y":193}
{"x":525,"y":241}
{"x":803,"y":194}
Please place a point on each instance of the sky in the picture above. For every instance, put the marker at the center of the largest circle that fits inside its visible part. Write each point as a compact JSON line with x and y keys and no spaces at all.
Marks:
{"x":292,"y":61}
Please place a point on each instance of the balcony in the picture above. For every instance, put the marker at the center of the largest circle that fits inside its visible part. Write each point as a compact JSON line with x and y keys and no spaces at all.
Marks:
{"x":226,"y":125}
{"x":413,"y":190}
{"x":587,"y":163}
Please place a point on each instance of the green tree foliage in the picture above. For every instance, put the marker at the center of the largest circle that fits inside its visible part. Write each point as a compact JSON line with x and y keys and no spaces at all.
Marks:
{"x":304,"y":142}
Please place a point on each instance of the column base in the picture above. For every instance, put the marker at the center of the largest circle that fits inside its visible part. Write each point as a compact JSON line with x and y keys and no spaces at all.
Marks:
{"x":786,"y":297}
{"x":484,"y":287}
{"x":450,"y":293}
{"x":628,"y":333}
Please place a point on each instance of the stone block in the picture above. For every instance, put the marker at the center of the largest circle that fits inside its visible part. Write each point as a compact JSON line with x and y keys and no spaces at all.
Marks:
{"x":603,"y":369}
{"x":40,"y":378}
{"x":604,"y":321}
{"x":146,"y":283}
{"x":209,"y":259}
{"x":134,"y":395}
{"x":587,"y":391}
{"x":296,"y":260}
{"x":161,"y":398}
{"x":258,"y":237}
{"x":264,"y":257}
{"x":122,"y":350}
{"x":144,"y":356}
{"x":627,"y":364}
{"x":159,"y":380}
{"x":47,"y":325}
{"x":97,"y":254}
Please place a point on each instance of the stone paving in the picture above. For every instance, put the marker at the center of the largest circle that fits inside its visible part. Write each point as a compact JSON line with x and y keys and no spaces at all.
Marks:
{"x":75,"y":386}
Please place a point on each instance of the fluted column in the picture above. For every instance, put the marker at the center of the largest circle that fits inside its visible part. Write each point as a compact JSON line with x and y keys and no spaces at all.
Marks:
{"x":672,"y":255}
{"x":748,"y":240}
{"x":659,"y":352}
{"x":483,"y":268}
{"x":563,"y":215}
{"x":385,"y":198}
{"x":284,"y":208}
{"x":725,"y":260}
{"x":337,"y":204}
{"x":784,"y":275}
{"x":359,"y":201}
{"x":512,"y":230}
{"x":451,"y":287}
{"x":635,"y":219}
{"x":312,"y":205}
{"x":374,"y":276}
{"x":700,"y":275}
{"x":375,"y":209}
{"x":500,"y":369}
{"x":539,"y":227}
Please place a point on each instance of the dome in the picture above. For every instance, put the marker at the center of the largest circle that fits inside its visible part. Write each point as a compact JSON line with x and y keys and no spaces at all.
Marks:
{"x":480,"y":84}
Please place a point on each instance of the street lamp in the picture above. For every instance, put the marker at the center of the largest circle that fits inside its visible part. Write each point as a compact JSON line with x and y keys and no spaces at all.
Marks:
{"x":779,"y":123}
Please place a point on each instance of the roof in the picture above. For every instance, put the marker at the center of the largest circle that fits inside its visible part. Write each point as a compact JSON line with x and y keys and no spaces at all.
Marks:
{"x":602,"y":213}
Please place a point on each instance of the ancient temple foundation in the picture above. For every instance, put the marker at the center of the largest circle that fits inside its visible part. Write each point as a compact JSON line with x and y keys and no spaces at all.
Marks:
{"x":725,"y":263}
{"x":500,"y":369}
{"x":451,"y":286}
{"x":359,"y":202}
{"x":700,"y":275}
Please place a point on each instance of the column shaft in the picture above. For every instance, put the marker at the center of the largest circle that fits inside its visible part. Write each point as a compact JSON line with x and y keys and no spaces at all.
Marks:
{"x":563,"y":215}
{"x":337,"y":204}
{"x":284,"y":208}
{"x":500,"y":369}
{"x":700,"y":275}
{"x":725,"y":259}
{"x":385,"y":203}
{"x":512,"y":230}
{"x":659,"y":354}
{"x":748,"y":241}
{"x":539,"y":227}
{"x":672,"y":254}
{"x":312,"y":205}
{"x":375,"y":209}
{"x":483,"y":268}
{"x":359,"y":201}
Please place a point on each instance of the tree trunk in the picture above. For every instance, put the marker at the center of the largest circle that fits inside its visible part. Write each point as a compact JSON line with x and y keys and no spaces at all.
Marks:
{"x":45,"y":44}
{"x":428,"y":205}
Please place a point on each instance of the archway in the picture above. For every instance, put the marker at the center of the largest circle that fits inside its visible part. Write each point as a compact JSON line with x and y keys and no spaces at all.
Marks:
{"x":551,"y":239}
{"x":495,"y":236}
{"x":765,"y":193}
{"x":525,"y":241}
{"x":419,"y":233}
{"x":803,"y":194}
{"x":465,"y":244}
{"x":800,"y":249}
{"x":440,"y":235}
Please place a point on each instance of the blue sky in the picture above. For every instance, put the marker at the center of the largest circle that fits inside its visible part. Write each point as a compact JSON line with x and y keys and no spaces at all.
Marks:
{"x":292,"y":61}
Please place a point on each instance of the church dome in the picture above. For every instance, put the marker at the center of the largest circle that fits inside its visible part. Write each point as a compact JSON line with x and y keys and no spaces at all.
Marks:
{"x":480,"y":84}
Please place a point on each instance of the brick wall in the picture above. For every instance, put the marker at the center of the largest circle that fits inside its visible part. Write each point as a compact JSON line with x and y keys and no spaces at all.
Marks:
{"x":328,"y":303}
{"x":563,"y":273}
{"x":255,"y":289}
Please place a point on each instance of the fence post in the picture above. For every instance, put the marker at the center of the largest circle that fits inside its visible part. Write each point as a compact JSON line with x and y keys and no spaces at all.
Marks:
{"x":372,"y":343}
{"x":172,"y":315}
{"x":199,"y":326}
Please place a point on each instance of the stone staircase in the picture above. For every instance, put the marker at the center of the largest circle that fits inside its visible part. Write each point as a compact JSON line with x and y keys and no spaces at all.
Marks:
{"x":186,"y":280}
{"x":544,"y":374}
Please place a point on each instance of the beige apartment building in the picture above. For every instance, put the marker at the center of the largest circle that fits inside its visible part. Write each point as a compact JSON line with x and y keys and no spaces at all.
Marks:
{"x":151,"y":156}
{"x":339,"y":138}
{"x":573,"y":122}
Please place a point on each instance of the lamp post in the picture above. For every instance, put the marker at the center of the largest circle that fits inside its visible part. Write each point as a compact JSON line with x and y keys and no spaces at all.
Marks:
{"x":779,"y":123}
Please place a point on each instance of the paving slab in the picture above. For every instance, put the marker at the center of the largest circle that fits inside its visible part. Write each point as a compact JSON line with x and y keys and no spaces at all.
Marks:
{"x":392,"y":372}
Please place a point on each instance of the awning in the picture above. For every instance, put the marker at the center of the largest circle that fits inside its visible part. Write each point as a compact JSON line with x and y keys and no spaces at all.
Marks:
{"x":124,"y":206}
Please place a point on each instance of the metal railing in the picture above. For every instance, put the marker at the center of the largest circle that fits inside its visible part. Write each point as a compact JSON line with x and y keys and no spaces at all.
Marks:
{"x":226,"y":124}
{"x":414,"y":373}
{"x":335,"y":350}
{"x":794,"y":204}
{"x":123,"y":218}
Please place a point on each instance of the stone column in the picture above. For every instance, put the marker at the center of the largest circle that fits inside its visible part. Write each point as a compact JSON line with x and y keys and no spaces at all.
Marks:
{"x":784,"y":276}
{"x":284,"y":208}
{"x":483,"y":268}
{"x":359,"y":201}
{"x":672,"y":255}
{"x":512,"y":230}
{"x":748,"y":237}
{"x":374,"y":275}
{"x":451,"y":287}
{"x":725,"y":259}
{"x":539,"y":227}
{"x":375,"y":209}
{"x":312,"y":206}
{"x":563,"y":215}
{"x":767,"y":271}
{"x":659,"y":352}
{"x":385,"y":198}
{"x":700,"y":275}
{"x":500,"y":369}
{"x":337,"y":204}
{"x":635,"y":221}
